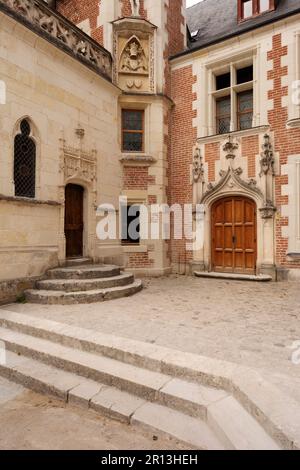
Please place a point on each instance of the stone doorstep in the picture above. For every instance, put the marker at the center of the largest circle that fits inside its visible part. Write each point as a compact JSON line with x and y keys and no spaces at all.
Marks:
{"x":55,"y":297}
{"x":234,"y":277}
{"x":279,"y":416}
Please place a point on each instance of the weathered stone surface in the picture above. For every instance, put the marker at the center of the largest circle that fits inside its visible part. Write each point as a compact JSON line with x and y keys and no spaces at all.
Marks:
{"x":186,"y":429}
{"x":70,"y":285}
{"x":84,"y":272}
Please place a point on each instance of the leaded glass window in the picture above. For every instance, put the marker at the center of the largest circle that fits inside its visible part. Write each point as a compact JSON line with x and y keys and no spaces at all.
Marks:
{"x":132,"y":130}
{"x":24,"y":162}
{"x":245,"y":110}
{"x":223,"y":115}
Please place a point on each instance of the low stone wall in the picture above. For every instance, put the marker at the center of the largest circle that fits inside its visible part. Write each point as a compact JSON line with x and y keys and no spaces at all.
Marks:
{"x":11,"y":290}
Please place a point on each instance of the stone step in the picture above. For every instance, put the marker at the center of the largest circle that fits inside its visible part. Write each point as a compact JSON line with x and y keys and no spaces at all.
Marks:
{"x":94,"y":271}
{"x":53,"y":297}
{"x":234,"y":277}
{"x":110,"y":402}
{"x":78,"y":285}
{"x":78,"y":261}
{"x":194,"y":400}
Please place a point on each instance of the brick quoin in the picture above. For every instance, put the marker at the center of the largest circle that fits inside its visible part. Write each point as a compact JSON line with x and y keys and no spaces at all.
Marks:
{"x":126,"y":9}
{"x":78,"y":11}
{"x":250,"y":148}
{"x":183,"y":137}
{"x":287,"y":141}
{"x":212,"y":154}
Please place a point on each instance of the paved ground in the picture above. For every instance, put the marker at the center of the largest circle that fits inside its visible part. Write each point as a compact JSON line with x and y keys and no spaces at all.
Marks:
{"x":253,"y":324}
{"x":33,"y":422}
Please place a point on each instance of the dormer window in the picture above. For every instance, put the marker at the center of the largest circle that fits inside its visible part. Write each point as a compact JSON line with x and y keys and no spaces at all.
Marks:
{"x":251,"y":8}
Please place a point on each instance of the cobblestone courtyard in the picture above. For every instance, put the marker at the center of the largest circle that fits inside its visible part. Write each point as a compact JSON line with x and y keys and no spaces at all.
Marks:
{"x":253,"y":324}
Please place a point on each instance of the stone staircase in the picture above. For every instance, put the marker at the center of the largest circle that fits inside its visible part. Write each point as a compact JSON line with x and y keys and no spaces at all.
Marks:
{"x":127,"y":383}
{"x":81,"y":282}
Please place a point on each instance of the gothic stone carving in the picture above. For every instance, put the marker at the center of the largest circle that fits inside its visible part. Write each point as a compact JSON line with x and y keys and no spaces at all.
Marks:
{"x":134,"y":55}
{"x":268,"y":210}
{"x":267,"y":161}
{"x":78,"y":163}
{"x":230,"y":148}
{"x":198,"y":166}
{"x":133,"y":59}
{"x":38,"y":16}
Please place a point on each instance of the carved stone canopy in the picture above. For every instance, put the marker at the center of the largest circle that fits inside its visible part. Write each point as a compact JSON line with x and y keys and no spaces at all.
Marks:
{"x":232,"y":182}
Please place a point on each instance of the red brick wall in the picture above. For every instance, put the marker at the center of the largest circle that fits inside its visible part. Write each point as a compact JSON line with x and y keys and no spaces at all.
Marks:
{"x":212,"y":154}
{"x":250,"y":148}
{"x":287,"y":141}
{"x":137,"y":178}
{"x":126,"y":9}
{"x":139,"y":260}
{"x":78,"y":11}
{"x":182,"y":138}
{"x":175,"y":44}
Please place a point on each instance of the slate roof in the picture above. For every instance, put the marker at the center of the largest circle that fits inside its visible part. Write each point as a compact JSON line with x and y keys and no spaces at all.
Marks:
{"x":216,"y":20}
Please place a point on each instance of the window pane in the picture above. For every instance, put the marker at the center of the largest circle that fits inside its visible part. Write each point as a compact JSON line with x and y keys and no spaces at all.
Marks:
{"x":133,"y":120}
{"x":264,"y":5}
{"x":223,"y":125}
{"x":245,"y":101}
{"x":245,"y":109}
{"x":247,"y":8}
{"x":244,"y":75}
{"x":246,"y":121}
{"x":223,"y":106}
{"x":132,"y":142}
{"x":223,"y":115}
{"x":223,"y":81}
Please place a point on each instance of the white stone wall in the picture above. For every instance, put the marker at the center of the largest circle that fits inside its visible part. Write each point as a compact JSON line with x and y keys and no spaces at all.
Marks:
{"x":58,"y":95}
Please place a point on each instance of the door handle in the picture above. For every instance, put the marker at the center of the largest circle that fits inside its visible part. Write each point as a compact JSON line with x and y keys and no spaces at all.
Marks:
{"x":234,"y":239}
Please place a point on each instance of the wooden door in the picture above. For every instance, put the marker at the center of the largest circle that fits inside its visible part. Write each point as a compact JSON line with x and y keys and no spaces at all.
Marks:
{"x":74,"y":220}
{"x":234,"y":235}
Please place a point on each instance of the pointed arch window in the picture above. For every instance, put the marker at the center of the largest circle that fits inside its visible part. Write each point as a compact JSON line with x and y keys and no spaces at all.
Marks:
{"x":24,"y":162}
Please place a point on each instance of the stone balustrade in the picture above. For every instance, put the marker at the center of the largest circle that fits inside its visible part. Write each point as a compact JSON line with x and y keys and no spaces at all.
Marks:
{"x":36,"y":15}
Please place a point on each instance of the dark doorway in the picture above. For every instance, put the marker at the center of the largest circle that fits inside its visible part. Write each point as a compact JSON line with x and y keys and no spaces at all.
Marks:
{"x":74,"y":220}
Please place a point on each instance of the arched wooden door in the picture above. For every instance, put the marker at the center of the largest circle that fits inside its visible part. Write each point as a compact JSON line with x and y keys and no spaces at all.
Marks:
{"x":234,"y":238}
{"x":74,"y":220}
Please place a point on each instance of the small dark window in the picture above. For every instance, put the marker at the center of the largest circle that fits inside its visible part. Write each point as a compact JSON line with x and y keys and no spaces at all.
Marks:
{"x":132,"y":131}
{"x":223,"y":114}
{"x":223,"y":81}
{"x":24,"y":162}
{"x":131,"y":224}
{"x":245,"y":110}
{"x":244,"y":75}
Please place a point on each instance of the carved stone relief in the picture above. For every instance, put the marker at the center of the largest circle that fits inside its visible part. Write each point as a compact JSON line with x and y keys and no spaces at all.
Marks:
{"x":60,"y":31}
{"x":198,"y":166}
{"x":134,"y":55}
{"x":267,"y":161}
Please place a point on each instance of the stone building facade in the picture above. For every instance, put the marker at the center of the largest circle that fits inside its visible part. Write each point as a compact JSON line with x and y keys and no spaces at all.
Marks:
{"x":122,"y":98}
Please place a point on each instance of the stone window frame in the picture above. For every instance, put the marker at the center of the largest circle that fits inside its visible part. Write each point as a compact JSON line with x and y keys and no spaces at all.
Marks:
{"x":136,"y":106}
{"x":226,"y":64}
{"x":294,"y":109}
{"x":292,"y":210}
